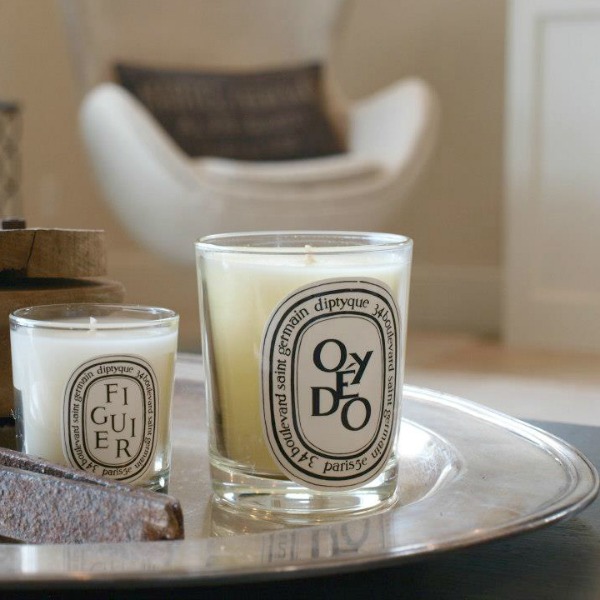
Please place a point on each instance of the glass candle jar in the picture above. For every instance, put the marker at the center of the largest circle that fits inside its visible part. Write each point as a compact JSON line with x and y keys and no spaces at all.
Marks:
{"x":93,"y":386}
{"x":303,"y":342}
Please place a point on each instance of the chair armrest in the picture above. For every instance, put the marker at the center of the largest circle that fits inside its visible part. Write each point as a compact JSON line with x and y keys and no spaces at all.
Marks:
{"x":396,"y":125}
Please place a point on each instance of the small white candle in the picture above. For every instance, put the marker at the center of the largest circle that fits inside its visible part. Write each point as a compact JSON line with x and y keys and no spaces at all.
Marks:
{"x":240,"y":289}
{"x":93,"y":387}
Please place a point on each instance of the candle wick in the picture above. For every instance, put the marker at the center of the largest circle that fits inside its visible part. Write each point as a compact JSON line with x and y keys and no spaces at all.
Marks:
{"x":309,"y":258}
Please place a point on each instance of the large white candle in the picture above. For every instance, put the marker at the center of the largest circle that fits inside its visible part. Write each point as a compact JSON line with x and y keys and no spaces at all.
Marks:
{"x":93,"y":387}
{"x":241,"y":288}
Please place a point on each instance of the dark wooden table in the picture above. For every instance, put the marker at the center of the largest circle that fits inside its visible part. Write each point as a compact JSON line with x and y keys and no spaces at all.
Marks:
{"x":559,"y":562}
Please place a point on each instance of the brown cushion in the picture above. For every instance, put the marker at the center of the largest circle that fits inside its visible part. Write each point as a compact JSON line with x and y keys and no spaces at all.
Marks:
{"x":271,"y":115}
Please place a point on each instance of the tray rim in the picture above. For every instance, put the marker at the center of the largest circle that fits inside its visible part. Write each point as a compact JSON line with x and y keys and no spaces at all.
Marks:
{"x":577,"y":499}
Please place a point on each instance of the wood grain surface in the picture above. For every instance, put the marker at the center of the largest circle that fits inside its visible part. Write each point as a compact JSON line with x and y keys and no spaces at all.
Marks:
{"x":40,"y":253}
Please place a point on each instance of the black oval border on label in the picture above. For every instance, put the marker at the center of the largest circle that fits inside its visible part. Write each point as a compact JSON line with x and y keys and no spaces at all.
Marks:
{"x":270,"y":333}
{"x":68,"y":401}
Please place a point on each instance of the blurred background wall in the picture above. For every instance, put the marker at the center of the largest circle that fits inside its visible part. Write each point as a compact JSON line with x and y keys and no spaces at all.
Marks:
{"x":454,"y":215}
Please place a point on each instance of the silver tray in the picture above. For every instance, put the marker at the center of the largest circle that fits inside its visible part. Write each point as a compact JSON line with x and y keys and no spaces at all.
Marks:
{"x":469,"y":475}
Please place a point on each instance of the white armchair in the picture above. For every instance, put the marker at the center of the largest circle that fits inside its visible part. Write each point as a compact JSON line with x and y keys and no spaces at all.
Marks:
{"x":167,"y":199}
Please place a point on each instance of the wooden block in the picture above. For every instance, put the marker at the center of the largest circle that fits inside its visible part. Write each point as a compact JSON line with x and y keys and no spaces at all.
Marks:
{"x":33,"y":292}
{"x":65,"y":253}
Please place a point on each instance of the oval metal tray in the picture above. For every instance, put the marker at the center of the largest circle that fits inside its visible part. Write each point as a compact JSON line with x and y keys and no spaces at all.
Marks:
{"x":469,"y":475}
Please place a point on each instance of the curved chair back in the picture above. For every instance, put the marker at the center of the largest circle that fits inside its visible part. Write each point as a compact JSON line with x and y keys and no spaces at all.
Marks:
{"x":167,"y":199}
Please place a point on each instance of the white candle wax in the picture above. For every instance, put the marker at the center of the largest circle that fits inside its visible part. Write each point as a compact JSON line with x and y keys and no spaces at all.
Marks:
{"x":242,"y":291}
{"x":82,"y":361}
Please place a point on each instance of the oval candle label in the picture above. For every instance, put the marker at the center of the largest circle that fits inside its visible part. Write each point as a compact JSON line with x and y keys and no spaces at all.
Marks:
{"x":109,"y":418}
{"x":329,"y":393}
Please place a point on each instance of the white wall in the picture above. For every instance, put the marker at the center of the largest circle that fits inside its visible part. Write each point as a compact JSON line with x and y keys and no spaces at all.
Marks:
{"x":454,"y":215}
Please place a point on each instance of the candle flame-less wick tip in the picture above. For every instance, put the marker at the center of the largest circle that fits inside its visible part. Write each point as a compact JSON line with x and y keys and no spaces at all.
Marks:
{"x":310,"y":257}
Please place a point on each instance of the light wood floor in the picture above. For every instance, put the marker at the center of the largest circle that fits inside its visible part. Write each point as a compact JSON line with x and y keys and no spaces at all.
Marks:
{"x":534,"y":384}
